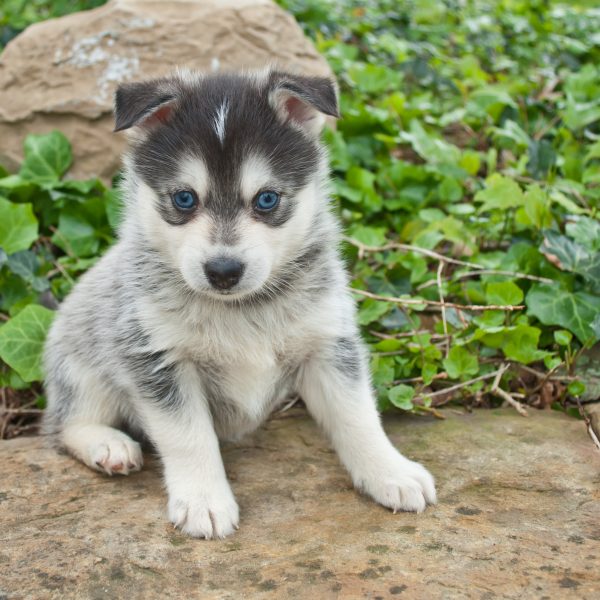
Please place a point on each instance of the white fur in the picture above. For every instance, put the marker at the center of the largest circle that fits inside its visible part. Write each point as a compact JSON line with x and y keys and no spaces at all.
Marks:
{"x":103,"y":448}
{"x":201,"y":502}
{"x":193,"y":174}
{"x":256,"y":175}
{"x":221,"y":119}
{"x":144,"y":339}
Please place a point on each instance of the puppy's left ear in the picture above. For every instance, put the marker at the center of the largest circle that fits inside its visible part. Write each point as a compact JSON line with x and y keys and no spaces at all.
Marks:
{"x":303,"y":101}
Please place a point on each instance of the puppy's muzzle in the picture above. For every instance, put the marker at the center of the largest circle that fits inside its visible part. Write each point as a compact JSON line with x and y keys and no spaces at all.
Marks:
{"x":223,"y":273}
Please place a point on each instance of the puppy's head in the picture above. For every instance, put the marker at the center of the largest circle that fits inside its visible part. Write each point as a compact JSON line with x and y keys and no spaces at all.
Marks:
{"x":227,"y":172}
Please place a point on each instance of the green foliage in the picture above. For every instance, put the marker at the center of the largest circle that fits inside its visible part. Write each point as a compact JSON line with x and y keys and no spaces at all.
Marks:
{"x":18,"y":226}
{"x":51,"y":231}
{"x":463,"y":137}
{"x":401,"y":396}
{"x":22,"y":340}
{"x":574,"y":311}
{"x":15,"y":15}
{"x":470,"y":131}
{"x":460,"y":362}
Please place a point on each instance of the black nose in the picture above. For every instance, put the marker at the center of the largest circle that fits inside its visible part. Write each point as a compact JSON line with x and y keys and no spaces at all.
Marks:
{"x":223,"y":273}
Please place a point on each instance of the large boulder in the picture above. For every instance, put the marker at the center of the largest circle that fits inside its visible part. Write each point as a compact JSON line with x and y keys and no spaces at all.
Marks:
{"x":61,"y":74}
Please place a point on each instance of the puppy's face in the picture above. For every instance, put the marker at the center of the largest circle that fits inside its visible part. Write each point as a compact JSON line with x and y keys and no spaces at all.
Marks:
{"x":227,"y":172}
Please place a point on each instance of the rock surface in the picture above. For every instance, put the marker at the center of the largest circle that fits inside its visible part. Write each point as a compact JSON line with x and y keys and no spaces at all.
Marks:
{"x":518,"y":517}
{"x":61,"y":74}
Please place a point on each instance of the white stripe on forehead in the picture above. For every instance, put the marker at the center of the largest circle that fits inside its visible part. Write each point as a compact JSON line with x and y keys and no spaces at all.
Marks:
{"x":193,"y":173}
{"x":219,"y":120}
{"x":255,"y":175}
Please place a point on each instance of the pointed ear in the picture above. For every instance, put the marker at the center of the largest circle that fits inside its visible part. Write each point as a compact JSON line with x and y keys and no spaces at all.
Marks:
{"x":145,"y":103}
{"x":303,"y":101}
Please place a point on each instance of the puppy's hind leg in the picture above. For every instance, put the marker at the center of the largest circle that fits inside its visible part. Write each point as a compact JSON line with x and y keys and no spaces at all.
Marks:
{"x":84,"y":416}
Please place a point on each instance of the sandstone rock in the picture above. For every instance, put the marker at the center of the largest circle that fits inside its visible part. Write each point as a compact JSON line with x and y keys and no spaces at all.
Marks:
{"x":61,"y":74}
{"x":518,"y":517}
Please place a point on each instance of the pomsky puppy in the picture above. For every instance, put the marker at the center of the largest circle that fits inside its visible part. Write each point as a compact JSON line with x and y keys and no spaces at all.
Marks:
{"x":224,"y":294}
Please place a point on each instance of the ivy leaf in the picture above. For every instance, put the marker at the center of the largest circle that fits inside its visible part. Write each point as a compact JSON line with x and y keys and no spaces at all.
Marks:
{"x":568,"y":255}
{"x":22,"y":341}
{"x":370,"y":310}
{"x":81,"y":227}
{"x":563,"y":337}
{"x":573,"y":311}
{"x":542,"y":157}
{"x":536,"y":209}
{"x":47,"y":157}
{"x":75,"y":234}
{"x":370,"y":236}
{"x":460,"y":362}
{"x":25,"y":264}
{"x":585,"y":230}
{"x":428,"y":372}
{"x":503,"y":293}
{"x":18,"y":226}
{"x":431,"y":148}
{"x":374,"y":78}
{"x":491,"y":99}
{"x":576,"y":388}
{"x":500,"y":193}
{"x":114,"y":208}
{"x":382,"y":368}
{"x":401,"y":396}
{"x":521,"y":344}
{"x":83,"y":188}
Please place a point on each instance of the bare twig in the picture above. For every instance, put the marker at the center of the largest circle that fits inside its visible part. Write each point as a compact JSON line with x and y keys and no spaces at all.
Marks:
{"x":68,"y":249}
{"x":443,"y":305}
{"x":458,"y":386}
{"x":442,"y":375}
{"x":60,"y":269}
{"x":548,"y":89}
{"x":437,"y":304}
{"x":405,"y":334}
{"x":479,"y":272}
{"x":548,"y":376}
{"x":433,"y":411}
{"x":498,"y":391}
{"x":588,"y":424}
{"x":538,"y":135}
{"x":362,"y":248}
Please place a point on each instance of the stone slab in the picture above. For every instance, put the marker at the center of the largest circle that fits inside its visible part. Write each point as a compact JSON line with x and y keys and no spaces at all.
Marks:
{"x":518,"y":517}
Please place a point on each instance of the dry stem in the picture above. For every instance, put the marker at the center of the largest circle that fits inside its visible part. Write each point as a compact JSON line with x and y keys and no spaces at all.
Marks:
{"x":498,"y":391}
{"x":437,"y":304}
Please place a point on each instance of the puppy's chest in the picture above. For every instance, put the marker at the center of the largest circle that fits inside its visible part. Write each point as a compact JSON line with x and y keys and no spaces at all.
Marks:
{"x":235,"y":360}
{"x":245,"y":382}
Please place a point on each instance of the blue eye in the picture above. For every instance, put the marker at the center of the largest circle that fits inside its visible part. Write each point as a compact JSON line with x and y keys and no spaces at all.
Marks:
{"x":185,"y":200}
{"x":266,"y":201}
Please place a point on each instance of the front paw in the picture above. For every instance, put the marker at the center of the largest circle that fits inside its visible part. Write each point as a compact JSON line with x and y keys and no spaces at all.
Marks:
{"x":204,"y":513}
{"x":399,"y":484}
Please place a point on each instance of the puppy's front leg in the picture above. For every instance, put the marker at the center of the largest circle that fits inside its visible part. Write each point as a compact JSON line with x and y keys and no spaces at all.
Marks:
{"x":336,"y":389}
{"x":179,"y":422}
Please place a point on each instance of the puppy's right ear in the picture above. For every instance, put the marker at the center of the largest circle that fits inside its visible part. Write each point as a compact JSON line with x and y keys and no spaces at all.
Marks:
{"x":145,"y":104}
